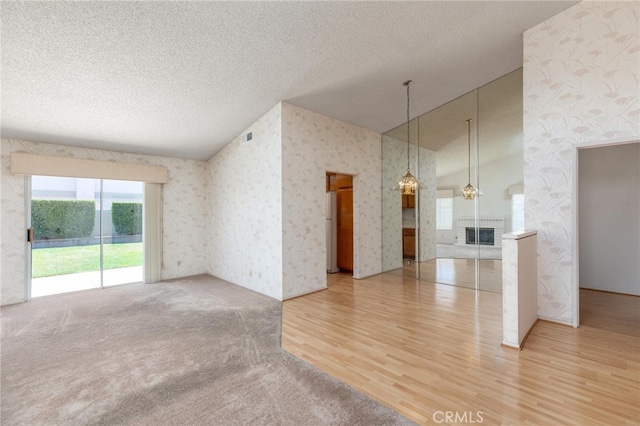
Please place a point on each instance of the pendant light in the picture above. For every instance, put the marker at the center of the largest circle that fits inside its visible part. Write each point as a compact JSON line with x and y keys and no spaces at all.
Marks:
{"x":409,"y":184}
{"x":469,"y":192}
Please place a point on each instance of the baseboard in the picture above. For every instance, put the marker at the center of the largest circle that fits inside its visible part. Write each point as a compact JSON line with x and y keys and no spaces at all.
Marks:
{"x":528,"y":333}
{"x":610,"y":292}
{"x":369,"y":275}
{"x":524,"y":339}
{"x":13,"y":303}
{"x":304,"y":293}
{"x":510,"y":346}
{"x":555,"y":321}
{"x":163,"y":279}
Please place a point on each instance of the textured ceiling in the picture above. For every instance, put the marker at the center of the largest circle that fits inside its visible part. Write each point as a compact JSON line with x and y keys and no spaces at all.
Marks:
{"x":183,"y":79}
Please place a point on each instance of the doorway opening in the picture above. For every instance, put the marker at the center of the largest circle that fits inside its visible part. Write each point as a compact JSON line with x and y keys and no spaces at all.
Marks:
{"x":608,"y":244}
{"x":85,"y":233}
{"x":339,"y":189}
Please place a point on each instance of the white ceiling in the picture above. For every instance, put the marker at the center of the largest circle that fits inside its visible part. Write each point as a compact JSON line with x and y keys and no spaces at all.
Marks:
{"x":183,"y":79}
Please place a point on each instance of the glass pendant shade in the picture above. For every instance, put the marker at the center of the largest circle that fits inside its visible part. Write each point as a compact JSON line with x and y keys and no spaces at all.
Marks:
{"x":409,"y":184}
{"x":469,"y":192}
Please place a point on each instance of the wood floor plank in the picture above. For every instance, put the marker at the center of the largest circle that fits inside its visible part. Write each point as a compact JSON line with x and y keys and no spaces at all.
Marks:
{"x":604,"y":311}
{"x":424,"y":349}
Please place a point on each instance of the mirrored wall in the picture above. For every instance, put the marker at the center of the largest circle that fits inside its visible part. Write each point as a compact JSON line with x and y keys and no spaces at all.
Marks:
{"x":438,"y":235}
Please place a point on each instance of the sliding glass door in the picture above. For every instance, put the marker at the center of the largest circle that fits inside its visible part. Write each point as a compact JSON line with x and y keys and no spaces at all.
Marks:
{"x":78,"y":241}
{"x":65,"y":252}
{"x":121,"y":232}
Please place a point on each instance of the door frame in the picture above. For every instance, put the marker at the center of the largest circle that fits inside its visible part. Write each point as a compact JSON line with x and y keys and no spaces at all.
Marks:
{"x":575,"y":276}
{"x":28,"y":244}
{"x":28,"y":186}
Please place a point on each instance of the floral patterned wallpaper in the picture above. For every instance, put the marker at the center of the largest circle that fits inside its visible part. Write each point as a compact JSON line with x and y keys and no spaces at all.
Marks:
{"x":267,"y":231}
{"x":394,"y":166}
{"x":240,"y":232}
{"x":244,"y":220}
{"x":313,"y":144}
{"x":427,"y":175}
{"x":581,"y":85}
{"x":183,"y":212}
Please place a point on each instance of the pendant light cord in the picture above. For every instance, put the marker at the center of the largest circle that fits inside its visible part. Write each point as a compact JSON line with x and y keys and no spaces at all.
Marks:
{"x":407,"y":83}
{"x":469,"y":149}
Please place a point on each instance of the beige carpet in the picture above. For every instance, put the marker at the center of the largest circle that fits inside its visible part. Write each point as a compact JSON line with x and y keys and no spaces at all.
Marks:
{"x":184,"y":352}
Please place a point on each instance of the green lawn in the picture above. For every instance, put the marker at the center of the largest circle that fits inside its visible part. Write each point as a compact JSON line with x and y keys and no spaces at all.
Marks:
{"x":48,"y":262}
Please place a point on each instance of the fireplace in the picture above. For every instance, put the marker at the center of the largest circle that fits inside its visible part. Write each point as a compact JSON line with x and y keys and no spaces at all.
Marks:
{"x":486,"y":236}
{"x":490,"y":228}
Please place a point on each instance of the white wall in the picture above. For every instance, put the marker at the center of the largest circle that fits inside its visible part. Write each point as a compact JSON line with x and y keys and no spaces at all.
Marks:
{"x":244,"y":219}
{"x":519,"y":287}
{"x":495,"y":179}
{"x":581,"y":85}
{"x":609,"y":218}
{"x":2,"y":169}
{"x":183,"y":212}
{"x":313,"y":144}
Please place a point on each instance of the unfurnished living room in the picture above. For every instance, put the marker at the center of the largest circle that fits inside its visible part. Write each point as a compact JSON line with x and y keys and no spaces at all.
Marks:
{"x":320,"y":213}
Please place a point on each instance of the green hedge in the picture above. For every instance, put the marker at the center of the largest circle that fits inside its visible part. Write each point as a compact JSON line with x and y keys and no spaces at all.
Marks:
{"x":56,"y":219}
{"x":127,"y":218}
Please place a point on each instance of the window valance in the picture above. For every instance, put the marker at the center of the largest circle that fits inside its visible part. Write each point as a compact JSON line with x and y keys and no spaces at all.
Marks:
{"x":23,"y":163}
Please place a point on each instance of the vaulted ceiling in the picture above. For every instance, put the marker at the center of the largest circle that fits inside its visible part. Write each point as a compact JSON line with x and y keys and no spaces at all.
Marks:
{"x":182,"y":79}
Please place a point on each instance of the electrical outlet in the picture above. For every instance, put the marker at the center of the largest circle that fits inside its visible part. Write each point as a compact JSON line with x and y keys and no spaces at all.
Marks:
{"x":250,"y":272}
{"x":259,"y":274}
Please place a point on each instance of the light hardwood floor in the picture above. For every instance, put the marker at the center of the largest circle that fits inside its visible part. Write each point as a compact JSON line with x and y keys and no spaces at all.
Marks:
{"x":459,"y":272}
{"x":610,"y":312}
{"x":425,"y":349}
